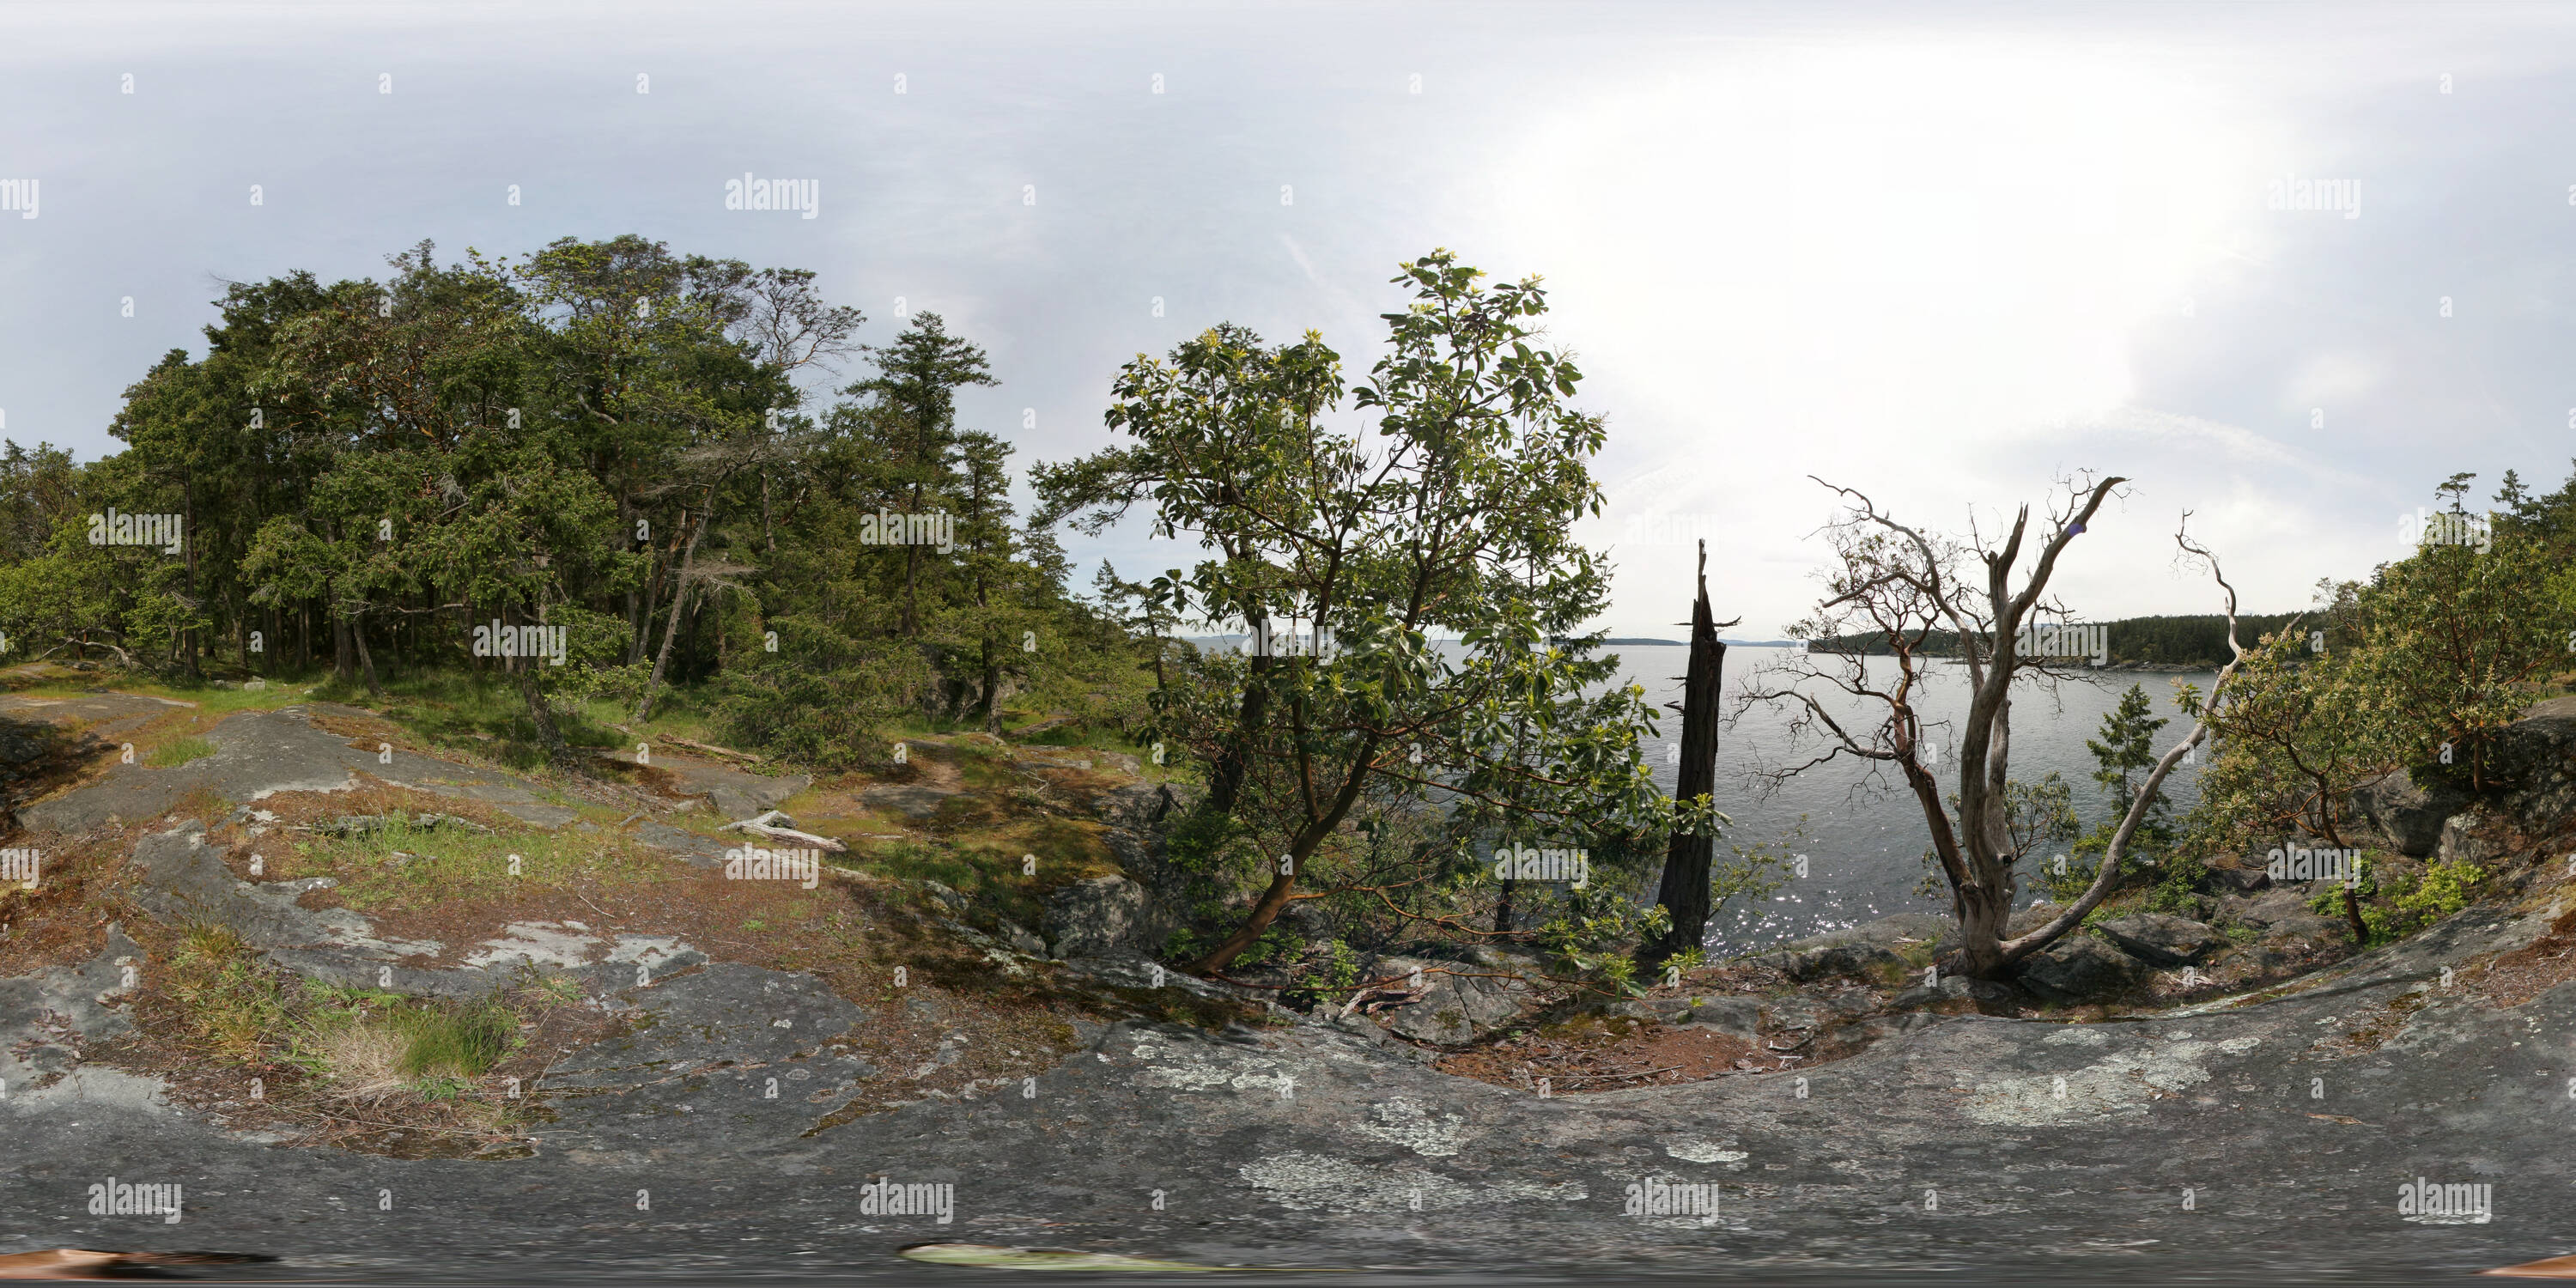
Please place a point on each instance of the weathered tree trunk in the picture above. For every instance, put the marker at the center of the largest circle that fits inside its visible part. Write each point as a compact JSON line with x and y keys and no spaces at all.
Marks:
{"x":557,"y":751}
{"x":1688,"y":855}
{"x":992,"y":690}
{"x":671,"y":632}
{"x":1984,"y":909}
{"x":344,"y":658}
{"x":358,"y":632}
{"x":1284,"y":883}
{"x":1234,"y":759}
{"x":653,"y":593}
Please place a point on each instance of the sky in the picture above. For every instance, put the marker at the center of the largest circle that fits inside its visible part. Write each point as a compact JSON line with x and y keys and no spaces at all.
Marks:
{"x":2285,"y":266}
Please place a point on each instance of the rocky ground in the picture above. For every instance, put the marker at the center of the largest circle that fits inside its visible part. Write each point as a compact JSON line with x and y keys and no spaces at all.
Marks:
{"x":721,"y":1075}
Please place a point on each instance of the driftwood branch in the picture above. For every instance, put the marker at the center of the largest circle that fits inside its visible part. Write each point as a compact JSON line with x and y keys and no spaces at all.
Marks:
{"x":763,"y":826}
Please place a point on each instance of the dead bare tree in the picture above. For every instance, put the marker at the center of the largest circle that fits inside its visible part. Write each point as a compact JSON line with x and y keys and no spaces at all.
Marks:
{"x":1896,"y":584}
{"x":1690,"y":851}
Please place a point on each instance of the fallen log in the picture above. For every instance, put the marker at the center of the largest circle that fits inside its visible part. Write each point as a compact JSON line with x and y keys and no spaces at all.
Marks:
{"x":763,"y":826}
{"x":693,"y":744}
{"x":713,"y":750}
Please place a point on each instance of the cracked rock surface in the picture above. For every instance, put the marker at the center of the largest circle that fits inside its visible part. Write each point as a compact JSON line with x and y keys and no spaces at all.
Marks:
{"x":2258,"y":1137}
{"x":2027,"y":1146}
{"x":261,"y":753}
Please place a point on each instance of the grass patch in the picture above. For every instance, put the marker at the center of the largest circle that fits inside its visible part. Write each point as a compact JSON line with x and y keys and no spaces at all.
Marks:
{"x":455,"y":1041}
{"x":404,"y":863}
{"x":990,"y":866}
{"x":207,"y":699}
{"x":179,"y":751}
{"x":912,"y":860}
{"x":372,"y":1046}
{"x":480,"y":714}
{"x":483,"y":715}
{"x":1073,"y":734}
{"x":677,"y":713}
{"x":365,"y":1043}
{"x":227,"y":1001}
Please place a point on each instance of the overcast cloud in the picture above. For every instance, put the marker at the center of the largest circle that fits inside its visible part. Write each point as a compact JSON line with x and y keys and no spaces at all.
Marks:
{"x":1945,"y":258}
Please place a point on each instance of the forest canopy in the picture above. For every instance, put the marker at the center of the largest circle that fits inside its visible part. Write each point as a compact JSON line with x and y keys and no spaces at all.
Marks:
{"x":602,"y":440}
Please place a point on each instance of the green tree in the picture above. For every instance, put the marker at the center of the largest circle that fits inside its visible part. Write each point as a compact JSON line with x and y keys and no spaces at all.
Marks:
{"x":1225,"y":445}
{"x":915,"y":389}
{"x":1345,"y":551}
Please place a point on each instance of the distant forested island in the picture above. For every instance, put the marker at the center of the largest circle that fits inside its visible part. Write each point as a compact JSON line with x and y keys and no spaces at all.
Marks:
{"x":2189,"y":640}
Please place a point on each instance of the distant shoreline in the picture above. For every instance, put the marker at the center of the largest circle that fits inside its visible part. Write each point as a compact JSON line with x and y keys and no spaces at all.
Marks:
{"x":2155,"y":668}
{"x":1686,"y":643}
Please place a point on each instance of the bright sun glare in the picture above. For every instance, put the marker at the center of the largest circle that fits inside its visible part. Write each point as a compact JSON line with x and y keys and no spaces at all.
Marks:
{"x":1887,"y":239}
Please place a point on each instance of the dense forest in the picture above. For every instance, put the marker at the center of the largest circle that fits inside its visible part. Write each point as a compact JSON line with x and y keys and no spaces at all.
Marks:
{"x":603,"y":439}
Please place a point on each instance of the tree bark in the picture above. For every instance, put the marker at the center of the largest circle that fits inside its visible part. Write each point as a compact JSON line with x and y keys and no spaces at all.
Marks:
{"x":1225,"y":778}
{"x":670,"y":632}
{"x":1284,"y":884}
{"x":1688,"y":855}
{"x":992,"y":690}
{"x":559,"y":753}
{"x":1983,"y":900}
{"x":358,"y":632}
{"x":653,"y":592}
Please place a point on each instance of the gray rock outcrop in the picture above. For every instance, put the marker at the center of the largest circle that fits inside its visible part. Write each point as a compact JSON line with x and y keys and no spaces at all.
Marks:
{"x":1881,"y":951}
{"x":1104,"y":917}
{"x":2407,"y":815}
{"x":2080,"y":968}
{"x":1462,"y":999}
{"x":2161,"y":939}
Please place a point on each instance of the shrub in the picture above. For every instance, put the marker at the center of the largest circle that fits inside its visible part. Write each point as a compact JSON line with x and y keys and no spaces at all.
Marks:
{"x":2442,"y":889}
{"x":2177,"y":886}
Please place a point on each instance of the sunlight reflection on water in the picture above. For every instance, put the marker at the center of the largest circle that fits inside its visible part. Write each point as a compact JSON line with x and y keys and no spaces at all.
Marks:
{"x":1865,"y":842}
